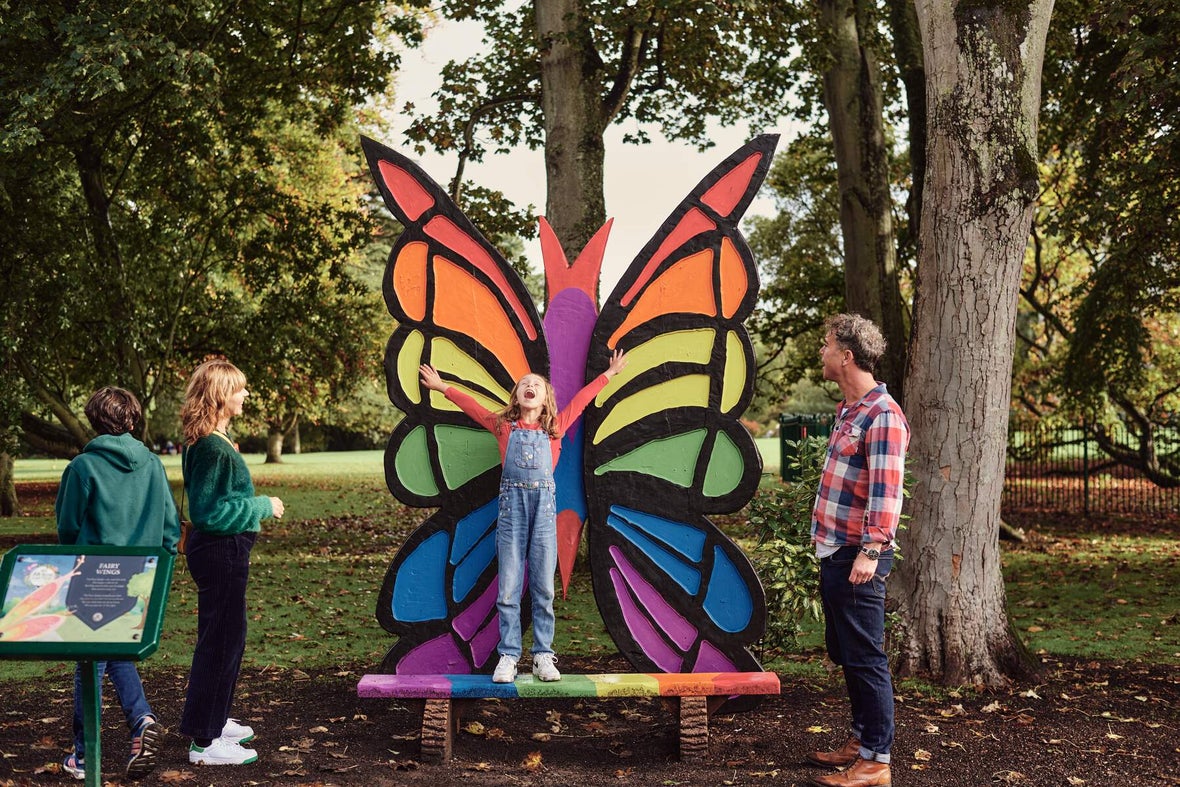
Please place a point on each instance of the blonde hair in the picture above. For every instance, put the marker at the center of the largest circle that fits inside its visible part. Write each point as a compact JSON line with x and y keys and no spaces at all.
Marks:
{"x":206,"y":395}
{"x":548,"y":417}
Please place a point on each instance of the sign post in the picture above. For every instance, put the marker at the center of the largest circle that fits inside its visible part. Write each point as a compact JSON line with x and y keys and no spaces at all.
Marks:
{"x":89,"y":604}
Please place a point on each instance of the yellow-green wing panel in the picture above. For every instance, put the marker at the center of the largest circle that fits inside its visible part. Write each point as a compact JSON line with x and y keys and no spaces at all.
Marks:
{"x":691,"y":390}
{"x":409,"y":358}
{"x":692,"y":346}
{"x":734,"y":380}
{"x":446,"y":356}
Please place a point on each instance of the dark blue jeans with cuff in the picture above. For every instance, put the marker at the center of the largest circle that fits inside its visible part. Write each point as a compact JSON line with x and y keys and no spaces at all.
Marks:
{"x":854,"y":618}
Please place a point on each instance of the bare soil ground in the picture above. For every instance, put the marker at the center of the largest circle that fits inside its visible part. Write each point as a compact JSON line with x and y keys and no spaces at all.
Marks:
{"x":1099,"y":724}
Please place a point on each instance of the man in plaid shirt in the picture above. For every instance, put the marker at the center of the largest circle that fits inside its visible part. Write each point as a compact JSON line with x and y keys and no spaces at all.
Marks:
{"x":853,"y":524}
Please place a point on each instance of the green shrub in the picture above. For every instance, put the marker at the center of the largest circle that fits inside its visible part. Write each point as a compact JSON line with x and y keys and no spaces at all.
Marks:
{"x":785,"y":556}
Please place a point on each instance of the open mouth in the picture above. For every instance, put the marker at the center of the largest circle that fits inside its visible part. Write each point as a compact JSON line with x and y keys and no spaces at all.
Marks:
{"x":529,"y":395}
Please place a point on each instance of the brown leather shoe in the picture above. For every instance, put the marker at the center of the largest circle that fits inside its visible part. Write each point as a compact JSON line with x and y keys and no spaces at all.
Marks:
{"x":840,"y":758}
{"x":863,"y":773}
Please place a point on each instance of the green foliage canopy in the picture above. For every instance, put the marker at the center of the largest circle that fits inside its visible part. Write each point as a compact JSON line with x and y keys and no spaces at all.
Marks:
{"x":178,"y":180}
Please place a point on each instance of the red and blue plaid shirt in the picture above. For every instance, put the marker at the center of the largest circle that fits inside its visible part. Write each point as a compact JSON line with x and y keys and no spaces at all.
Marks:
{"x":860,"y":490}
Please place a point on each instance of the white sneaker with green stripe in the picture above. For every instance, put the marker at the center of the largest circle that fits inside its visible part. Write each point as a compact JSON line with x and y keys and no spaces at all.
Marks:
{"x":221,"y":752}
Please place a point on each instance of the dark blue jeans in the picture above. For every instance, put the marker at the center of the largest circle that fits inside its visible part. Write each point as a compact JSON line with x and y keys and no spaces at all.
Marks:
{"x":855,"y":632}
{"x":125,"y":678}
{"x":220,"y":567}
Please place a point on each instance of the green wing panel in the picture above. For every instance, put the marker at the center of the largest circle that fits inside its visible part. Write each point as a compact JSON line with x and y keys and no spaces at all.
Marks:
{"x":465,"y":453}
{"x":726,"y":467}
{"x":673,"y":459}
{"x":412,"y":464}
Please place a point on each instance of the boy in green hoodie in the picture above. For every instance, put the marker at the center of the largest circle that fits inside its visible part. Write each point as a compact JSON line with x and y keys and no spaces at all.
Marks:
{"x":116,"y":493}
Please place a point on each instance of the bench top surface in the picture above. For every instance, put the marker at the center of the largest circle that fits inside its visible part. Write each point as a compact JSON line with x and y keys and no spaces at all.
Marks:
{"x":712,"y":684}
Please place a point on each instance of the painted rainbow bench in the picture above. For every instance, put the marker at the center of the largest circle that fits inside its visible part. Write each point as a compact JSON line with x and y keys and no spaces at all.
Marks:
{"x":689,"y":695}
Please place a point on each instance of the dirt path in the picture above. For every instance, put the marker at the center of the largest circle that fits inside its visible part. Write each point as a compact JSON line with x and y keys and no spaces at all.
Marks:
{"x":1097,"y":724}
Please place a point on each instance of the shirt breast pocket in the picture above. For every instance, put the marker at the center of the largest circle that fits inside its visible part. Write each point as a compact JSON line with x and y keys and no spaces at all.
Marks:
{"x":849,"y":440}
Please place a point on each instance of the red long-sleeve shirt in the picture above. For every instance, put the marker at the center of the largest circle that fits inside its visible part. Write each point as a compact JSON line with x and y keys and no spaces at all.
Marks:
{"x":565,"y":419}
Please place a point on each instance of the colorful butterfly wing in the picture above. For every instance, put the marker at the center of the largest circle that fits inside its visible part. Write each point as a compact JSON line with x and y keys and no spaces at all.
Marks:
{"x":664,"y":446}
{"x":462,"y":309}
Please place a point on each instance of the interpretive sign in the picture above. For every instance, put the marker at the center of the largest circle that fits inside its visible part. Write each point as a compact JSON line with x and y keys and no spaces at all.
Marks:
{"x":81,"y":603}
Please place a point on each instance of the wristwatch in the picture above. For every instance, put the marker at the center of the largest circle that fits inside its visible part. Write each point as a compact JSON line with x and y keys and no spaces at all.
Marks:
{"x":871,"y":552}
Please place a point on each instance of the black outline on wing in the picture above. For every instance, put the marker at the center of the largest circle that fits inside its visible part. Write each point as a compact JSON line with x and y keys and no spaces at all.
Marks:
{"x":655,"y":496}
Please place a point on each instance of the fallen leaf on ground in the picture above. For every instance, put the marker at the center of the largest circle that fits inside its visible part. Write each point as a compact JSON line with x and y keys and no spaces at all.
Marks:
{"x":532,"y":762}
{"x":474,"y":728}
{"x":921,"y":755}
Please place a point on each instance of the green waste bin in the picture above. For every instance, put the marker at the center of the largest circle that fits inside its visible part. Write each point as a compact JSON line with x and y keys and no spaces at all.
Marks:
{"x":794,"y":427}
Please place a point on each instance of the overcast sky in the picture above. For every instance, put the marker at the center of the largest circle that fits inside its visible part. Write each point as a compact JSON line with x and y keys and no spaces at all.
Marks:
{"x":644,"y":183}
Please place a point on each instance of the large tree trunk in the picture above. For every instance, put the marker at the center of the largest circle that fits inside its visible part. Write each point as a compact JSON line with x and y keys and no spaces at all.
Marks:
{"x":907,"y":51}
{"x":855,"y":101}
{"x":274,"y":445}
{"x":983,"y":67}
{"x":575,"y":205}
{"x":9,"y":505}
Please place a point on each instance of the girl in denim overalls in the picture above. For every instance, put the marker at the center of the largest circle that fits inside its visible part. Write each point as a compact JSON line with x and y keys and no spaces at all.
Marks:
{"x":529,"y":432}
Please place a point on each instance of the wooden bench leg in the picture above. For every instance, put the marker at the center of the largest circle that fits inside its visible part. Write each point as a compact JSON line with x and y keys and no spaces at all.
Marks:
{"x":694,"y":728}
{"x":437,"y":731}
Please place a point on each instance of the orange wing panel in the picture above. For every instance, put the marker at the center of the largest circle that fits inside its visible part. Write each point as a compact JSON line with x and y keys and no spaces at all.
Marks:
{"x":734,"y":280}
{"x":409,"y":280}
{"x":693,"y":223}
{"x":465,"y":305}
{"x":444,"y":230}
{"x":686,"y":287}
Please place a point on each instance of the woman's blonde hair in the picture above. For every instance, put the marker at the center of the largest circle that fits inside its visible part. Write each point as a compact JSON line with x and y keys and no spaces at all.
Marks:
{"x":548,"y":417}
{"x":206,"y":395}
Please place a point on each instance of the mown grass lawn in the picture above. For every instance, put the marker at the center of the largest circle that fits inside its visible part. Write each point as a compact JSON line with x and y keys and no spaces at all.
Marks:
{"x":316,"y":575}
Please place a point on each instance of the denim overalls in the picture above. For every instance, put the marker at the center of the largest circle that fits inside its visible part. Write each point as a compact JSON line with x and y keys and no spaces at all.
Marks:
{"x":526,"y":536}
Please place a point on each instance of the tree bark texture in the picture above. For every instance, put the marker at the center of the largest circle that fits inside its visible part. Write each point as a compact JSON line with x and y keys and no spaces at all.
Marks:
{"x":274,"y":444}
{"x":983,"y":67}
{"x":574,"y":120}
{"x":9,"y":505}
{"x":907,"y":51}
{"x":855,"y":102}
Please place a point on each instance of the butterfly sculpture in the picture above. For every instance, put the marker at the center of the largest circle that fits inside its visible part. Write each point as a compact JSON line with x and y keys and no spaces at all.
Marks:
{"x":658,"y":450}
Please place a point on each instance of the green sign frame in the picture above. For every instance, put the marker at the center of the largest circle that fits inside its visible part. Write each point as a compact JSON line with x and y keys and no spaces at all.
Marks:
{"x":29,"y":570}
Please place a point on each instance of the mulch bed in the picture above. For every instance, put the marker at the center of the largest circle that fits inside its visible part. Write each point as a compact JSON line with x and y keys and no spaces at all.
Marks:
{"x":1100,"y":724}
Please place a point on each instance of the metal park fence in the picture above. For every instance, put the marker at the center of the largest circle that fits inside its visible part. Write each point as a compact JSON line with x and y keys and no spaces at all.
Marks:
{"x":1050,"y":469}
{"x":1063,"y":470}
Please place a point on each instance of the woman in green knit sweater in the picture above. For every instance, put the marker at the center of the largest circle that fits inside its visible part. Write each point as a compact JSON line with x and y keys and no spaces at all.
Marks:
{"x":226,"y":515}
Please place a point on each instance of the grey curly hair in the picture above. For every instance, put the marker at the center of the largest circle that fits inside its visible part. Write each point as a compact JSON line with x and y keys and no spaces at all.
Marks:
{"x":860,"y":336}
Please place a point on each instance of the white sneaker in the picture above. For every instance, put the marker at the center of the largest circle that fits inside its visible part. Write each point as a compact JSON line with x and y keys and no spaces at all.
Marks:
{"x":221,"y":752}
{"x":505,"y":670}
{"x":545,"y":667}
{"x":237,"y":732}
